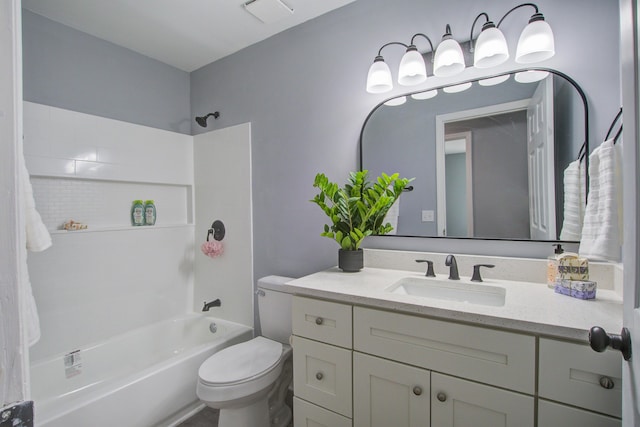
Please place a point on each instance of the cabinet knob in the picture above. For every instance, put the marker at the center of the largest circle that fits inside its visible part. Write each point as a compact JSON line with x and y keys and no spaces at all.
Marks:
{"x":319,"y":320}
{"x":441,"y":397}
{"x":607,"y":383}
{"x":417,"y":390}
{"x":319,"y":376}
{"x":599,"y":340}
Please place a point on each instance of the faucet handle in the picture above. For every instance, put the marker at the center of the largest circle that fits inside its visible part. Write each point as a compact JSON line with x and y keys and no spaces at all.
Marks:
{"x":476,"y":271}
{"x":430,"y":272}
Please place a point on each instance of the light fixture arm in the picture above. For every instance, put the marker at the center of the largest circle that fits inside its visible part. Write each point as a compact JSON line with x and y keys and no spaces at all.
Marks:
{"x":428,"y":39}
{"x":517,"y":7}
{"x":475,"y":21}
{"x":389,"y":44}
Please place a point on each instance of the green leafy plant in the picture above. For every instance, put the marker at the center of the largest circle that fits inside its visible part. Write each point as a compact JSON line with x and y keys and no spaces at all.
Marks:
{"x":358,"y":209}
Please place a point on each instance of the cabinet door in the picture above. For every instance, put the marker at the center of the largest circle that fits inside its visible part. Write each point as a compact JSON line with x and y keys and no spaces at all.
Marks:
{"x":322,"y":374}
{"x":389,"y":393}
{"x":460,"y":403}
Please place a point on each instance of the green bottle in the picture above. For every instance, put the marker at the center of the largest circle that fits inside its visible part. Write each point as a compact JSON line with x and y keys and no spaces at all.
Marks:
{"x":149,"y":212}
{"x":137,"y":213}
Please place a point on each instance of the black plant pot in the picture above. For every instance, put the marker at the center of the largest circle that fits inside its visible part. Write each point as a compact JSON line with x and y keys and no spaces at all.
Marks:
{"x":350,"y":261}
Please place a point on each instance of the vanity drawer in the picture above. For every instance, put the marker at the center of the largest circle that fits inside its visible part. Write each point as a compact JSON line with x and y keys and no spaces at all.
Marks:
{"x":489,"y":356}
{"x":324,"y":321}
{"x":571,"y":373}
{"x":322,"y":374}
{"x":552,"y":414}
{"x":306,"y":414}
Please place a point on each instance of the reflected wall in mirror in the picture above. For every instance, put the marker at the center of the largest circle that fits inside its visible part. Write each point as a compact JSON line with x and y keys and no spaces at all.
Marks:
{"x":488,"y":158}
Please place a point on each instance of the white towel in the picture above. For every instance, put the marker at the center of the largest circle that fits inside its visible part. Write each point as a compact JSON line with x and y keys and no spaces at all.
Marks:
{"x":392,"y":216}
{"x":602,"y":229}
{"x":38,"y":239}
{"x":574,"y":201}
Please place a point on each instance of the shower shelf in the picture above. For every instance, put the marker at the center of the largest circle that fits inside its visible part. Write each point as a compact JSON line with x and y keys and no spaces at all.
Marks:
{"x":100,"y":229}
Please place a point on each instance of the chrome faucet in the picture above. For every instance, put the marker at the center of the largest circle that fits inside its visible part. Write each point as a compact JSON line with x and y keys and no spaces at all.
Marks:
{"x":453,"y":267}
{"x":214,"y":303}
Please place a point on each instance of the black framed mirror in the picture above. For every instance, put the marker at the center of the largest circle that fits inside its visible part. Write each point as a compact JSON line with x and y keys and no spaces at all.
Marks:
{"x":488,"y":155}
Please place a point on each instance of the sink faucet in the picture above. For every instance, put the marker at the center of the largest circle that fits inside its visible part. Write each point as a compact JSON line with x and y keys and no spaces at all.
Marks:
{"x":453,"y":267}
{"x":214,"y":303}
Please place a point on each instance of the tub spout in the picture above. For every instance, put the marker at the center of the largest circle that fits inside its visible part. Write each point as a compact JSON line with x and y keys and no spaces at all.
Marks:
{"x":214,"y":303}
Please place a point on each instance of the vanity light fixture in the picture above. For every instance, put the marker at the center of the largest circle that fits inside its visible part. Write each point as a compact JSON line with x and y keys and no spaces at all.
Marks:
{"x":449,"y":59}
{"x":536,"y":43}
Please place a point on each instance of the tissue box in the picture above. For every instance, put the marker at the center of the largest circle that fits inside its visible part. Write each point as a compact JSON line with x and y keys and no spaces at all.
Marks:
{"x":573,"y":267}
{"x":582,"y":289}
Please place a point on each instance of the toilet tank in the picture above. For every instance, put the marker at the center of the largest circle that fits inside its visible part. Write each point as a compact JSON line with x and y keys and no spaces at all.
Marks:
{"x":274,"y":308}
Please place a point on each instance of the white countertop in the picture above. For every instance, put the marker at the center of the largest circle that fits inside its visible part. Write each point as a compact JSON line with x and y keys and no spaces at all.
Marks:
{"x":530,"y":308}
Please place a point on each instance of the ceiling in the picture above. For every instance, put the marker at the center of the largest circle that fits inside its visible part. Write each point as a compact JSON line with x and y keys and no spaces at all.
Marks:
{"x":187,"y":34}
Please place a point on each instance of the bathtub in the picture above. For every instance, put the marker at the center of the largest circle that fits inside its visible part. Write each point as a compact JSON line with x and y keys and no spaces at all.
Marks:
{"x":143,"y":378}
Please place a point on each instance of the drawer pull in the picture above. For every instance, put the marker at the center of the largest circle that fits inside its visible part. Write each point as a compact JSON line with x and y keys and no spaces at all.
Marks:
{"x":319,"y":376}
{"x":319,"y":320}
{"x":441,"y":397}
{"x":607,"y":383}
{"x":417,"y":390}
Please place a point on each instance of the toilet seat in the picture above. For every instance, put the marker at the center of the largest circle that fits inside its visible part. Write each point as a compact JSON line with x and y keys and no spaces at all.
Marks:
{"x":241,"y":363}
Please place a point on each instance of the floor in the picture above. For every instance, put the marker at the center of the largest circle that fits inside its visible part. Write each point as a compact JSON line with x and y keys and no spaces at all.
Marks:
{"x":208,"y":417}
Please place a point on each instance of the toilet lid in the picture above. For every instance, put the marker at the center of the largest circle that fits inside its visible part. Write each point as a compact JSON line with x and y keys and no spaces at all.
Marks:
{"x":240,"y":362}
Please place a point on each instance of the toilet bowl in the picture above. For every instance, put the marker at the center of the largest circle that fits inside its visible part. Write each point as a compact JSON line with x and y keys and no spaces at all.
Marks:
{"x":248,"y":382}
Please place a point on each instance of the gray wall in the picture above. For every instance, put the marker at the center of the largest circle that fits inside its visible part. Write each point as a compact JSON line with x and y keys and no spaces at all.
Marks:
{"x":70,"y":69}
{"x":303,"y":90}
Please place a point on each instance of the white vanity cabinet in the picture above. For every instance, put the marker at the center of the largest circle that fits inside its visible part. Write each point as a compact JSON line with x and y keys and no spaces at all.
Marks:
{"x":366,"y":367}
{"x":440,"y":353}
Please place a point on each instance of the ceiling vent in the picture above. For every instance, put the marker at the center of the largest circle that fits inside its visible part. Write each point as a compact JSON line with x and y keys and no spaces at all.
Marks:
{"x":268,"y":11}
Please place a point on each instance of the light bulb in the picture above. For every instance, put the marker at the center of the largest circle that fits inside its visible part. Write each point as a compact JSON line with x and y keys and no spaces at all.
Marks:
{"x":491,"y":47}
{"x":379,"y":77}
{"x":412,"y":69}
{"x":536,"y":41}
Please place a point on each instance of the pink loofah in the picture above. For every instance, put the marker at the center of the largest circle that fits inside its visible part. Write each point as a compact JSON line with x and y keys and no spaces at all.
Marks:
{"x":212,"y":249}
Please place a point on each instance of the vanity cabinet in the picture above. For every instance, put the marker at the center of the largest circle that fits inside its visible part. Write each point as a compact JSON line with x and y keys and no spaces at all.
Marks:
{"x":373,"y":368}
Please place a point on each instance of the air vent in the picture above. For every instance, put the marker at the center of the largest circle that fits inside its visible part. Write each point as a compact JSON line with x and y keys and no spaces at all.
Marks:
{"x":268,"y":11}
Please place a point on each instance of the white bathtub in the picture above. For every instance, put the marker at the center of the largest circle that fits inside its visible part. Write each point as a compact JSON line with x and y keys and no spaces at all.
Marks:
{"x":144,"y":378}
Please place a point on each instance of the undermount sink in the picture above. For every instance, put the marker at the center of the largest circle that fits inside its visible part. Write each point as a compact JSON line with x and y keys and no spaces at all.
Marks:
{"x":449,"y":290}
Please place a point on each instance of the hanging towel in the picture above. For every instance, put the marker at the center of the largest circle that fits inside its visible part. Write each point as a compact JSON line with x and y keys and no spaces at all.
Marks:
{"x":574,"y":201}
{"x":37,"y":239}
{"x":602,"y":228}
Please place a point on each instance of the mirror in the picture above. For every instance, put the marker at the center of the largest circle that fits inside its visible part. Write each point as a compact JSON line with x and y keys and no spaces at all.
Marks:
{"x":488,"y":156}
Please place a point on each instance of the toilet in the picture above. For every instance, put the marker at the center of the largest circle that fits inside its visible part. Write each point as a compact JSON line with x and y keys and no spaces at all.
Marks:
{"x":248,"y":382}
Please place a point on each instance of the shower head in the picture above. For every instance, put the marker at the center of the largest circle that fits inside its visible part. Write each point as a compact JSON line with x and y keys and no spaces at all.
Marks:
{"x":202,"y":121}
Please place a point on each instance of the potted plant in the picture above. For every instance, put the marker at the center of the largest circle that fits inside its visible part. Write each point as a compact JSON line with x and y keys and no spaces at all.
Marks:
{"x":356,"y":211}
